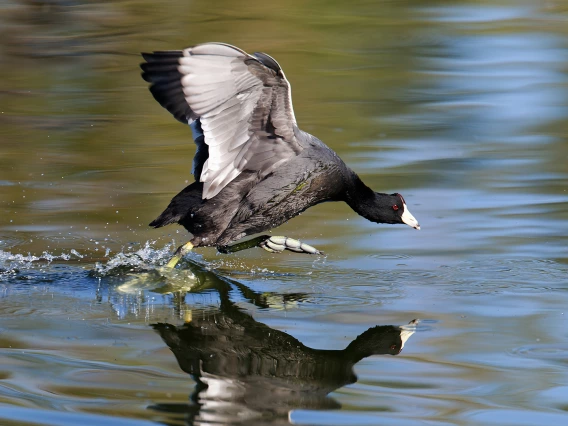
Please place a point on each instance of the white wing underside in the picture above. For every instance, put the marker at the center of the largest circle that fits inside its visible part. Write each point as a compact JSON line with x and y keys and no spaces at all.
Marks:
{"x":234,"y":104}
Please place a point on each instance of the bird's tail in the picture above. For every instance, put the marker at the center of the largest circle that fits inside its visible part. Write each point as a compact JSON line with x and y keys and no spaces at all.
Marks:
{"x":183,"y":204}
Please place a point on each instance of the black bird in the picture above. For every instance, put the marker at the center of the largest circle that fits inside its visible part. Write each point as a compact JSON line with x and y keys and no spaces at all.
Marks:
{"x":244,"y":366}
{"x":254,"y":168}
{"x":241,"y":365}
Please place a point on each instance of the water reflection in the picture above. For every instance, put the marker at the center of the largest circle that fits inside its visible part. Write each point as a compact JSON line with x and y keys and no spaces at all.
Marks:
{"x":246,"y":370}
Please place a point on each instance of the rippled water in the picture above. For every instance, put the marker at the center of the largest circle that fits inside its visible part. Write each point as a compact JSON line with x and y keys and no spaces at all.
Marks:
{"x":462,"y":107}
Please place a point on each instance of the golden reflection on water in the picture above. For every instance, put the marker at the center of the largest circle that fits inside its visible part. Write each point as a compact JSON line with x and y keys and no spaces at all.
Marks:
{"x":413,"y":99}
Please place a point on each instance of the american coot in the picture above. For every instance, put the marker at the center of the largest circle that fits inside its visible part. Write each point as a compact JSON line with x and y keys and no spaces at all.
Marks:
{"x":254,"y":168}
{"x":252,"y":368}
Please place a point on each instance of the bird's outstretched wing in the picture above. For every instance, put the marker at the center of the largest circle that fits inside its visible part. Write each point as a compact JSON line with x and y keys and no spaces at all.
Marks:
{"x":243,"y":102}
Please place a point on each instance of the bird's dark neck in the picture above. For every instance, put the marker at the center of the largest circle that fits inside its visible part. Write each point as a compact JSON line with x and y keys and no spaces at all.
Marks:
{"x":378,"y":340}
{"x":362,"y":199}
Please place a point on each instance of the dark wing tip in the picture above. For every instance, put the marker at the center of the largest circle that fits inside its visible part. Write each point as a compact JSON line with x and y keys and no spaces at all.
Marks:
{"x":268,"y":61}
{"x":161,"y":70}
{"x":161,"y":55}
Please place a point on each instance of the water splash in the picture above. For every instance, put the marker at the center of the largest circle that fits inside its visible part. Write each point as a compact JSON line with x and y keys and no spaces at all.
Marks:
{"x":143,"y":270}
{"x":145,"y":259}
{"x":10,"y":262}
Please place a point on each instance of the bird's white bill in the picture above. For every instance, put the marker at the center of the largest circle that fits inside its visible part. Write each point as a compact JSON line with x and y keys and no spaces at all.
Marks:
{"x":408,"y":218}
{"x":405,"y":335}
{"x":407,"y":330}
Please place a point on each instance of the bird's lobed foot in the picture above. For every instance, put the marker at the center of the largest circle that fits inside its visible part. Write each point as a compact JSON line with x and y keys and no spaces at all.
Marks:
{"x":278,"y":244}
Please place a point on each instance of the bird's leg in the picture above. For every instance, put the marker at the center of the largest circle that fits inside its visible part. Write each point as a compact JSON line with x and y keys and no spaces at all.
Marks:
{"x":278,"y":244}
{"x":254,"y":242}
{"x":272,"y":245}
{"x":179,"y":253}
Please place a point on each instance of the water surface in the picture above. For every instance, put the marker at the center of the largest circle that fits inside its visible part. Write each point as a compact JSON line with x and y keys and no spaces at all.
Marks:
{"x":461,"y":107}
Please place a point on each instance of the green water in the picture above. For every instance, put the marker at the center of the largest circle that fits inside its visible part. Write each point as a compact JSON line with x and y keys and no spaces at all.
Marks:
{"x":461,"y":107}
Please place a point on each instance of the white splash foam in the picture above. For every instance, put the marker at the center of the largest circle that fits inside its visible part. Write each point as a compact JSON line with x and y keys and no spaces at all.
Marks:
{"x":12,"y":261}
{"x":144,"y":258}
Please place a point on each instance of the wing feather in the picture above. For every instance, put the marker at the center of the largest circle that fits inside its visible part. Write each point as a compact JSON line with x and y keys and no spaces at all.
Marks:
{"x":243,"y":104}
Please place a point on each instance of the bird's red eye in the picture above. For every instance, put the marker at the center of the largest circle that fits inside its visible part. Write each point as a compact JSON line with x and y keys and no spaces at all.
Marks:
{"x":395,"y":207}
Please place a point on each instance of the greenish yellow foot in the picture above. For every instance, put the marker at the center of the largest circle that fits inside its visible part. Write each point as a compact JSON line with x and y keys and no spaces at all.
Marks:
{"x":180,"y":252}
{"x":278,"y":244}
{"x":254,"y":242}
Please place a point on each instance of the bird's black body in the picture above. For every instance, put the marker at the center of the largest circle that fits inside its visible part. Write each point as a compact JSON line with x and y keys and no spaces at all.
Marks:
{"x":250,"y":204}
{"x":254,"y":168}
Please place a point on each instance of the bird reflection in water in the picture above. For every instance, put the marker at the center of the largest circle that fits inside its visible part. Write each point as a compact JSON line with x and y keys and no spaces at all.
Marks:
{"x":247,"y":371}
